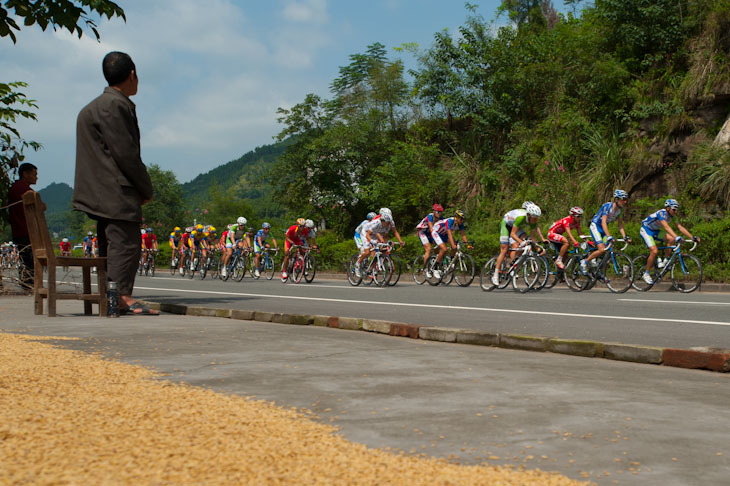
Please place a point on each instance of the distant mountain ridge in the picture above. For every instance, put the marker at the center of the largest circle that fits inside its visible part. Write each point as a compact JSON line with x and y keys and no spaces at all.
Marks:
{"x":57,"y":197}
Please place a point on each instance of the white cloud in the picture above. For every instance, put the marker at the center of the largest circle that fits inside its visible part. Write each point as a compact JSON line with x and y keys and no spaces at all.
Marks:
{"x":306,"y":11}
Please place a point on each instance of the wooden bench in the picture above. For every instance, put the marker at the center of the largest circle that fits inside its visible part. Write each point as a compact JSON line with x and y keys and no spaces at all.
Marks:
{"x":45,"y":258}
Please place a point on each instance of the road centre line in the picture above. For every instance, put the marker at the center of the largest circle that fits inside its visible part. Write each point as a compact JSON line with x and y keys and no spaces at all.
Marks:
{"x":303,"y":286}
{"x":674,"y":302}
{"x":433,"y":306}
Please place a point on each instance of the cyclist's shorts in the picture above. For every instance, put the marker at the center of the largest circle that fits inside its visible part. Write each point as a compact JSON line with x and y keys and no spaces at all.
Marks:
{"x":436,"y":237}
{"x":651,"y":237}
{"x":597,"y":234}
{"x":257,"y":248}
{"x":425,"y":237}
{"x":358,"y":240}
{"x":287,"y":245}
{"x":556,"y":238}
{"x":504,"y":234}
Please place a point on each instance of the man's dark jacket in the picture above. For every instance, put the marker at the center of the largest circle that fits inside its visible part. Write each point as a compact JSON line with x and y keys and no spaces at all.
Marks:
{"x":111,"y":180}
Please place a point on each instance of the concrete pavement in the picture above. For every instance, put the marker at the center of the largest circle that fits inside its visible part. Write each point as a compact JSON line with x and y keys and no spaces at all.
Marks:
{"x":609,"y":421}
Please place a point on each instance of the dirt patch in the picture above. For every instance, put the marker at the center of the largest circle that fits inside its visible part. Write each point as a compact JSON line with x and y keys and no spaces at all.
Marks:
{"x":68,"y":417}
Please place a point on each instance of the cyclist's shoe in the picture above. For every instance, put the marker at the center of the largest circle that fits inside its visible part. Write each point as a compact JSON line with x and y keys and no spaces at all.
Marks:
{"x":437,"y":275}
{"x":495,"y":279}
{"x":428,"y":273}
{"x":647,"y":278}
{"x":661,"y":262}
{"x":284,"y":276}
{"x":224,"y":273}
{"x":358,"y":273}
{"x":583,"y":267}
{"x":257,"y":273}
{"x":559,"y":263}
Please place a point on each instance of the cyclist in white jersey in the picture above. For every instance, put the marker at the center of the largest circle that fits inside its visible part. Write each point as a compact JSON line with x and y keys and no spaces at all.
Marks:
{"x":608,"y":213}
{"x":425,"y":228}
{"x":653,"y":226}
{"x":360,"y":227}
{"x":375,"y":232}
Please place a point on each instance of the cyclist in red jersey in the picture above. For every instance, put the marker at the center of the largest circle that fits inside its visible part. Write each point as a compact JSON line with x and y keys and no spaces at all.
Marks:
{"x":558,"y":228}
{"x":65,"y":247}
{"x":295,"y":235}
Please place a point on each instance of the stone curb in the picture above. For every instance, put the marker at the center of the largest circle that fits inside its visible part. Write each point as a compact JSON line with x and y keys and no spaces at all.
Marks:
{"x":712,"y":359}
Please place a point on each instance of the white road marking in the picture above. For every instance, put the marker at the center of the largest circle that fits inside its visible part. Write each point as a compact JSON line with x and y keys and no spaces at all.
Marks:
{"x":675,"y":301}
{"x":316,"y":285}
{"x":433,"y":306}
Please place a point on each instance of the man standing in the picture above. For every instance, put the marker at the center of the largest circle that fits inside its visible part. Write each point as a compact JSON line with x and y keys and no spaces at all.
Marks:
{"x":27,"y":176}
{"x":112,"y":182}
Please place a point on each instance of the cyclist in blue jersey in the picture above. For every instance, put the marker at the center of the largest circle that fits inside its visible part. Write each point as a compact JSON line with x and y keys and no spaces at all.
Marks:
{"x":608,"y":213}
{"x":360,"y":227}
{"x":444,"y":230}
{"x":259,"y":243}
{"x":656,"y":226}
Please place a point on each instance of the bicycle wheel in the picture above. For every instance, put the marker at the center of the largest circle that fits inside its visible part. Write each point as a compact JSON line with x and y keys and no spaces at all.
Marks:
{"x":397,"y":270}
{"x":576,"y":281}
{"x":310,"y":268}
{"x":193,"y":268}
{"x":447,"y":272}
{"x":639,"y":268}
{"x":528,"y":274}
{"x":221,"y":267}
{"x":252,"y":270}
{"x":619,"y":272}
{"x":298,"y":269}
{"x":214,"y":266}
{"x":140,"y":268}
{"x":418,"y":272}
{"x":686,"y":273}
{"x":381,"y":270}
{"x":184,"y":265}
{"x":433,"y":269}
{"x":239,"y":268}
{"x":204,"y":268}
{"x":152,"y":266}
{"x":269,"y":267}
{"x":353,"y":276}
{"x":485,"y":277}
{"x":173,"y":265}
{"x":464,"y":270}
{"x":553,"y":272}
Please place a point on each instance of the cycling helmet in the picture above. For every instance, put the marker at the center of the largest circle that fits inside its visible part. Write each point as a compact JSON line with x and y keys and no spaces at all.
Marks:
{"x":460,"y":214}
{"x":199,"y":227}
{"x":89,"y":233}
{"x":241,"y":221}
{"x":386,"y":217}
{"x":266,"y":226}
{"x":576,"y":211}
{"x":371,"y":215}
{"x":143,"y":231}
{"x":194,"y":233}
{"x":671,"y":203}
{"x":177,"y":229}
{"x":384,"y":211}
{"x":526,"y":203}
{"x":620,"y":194}
{"x":533,"y":210}
{"x":65,"y":240}
{"x":211,"y":229}
{"x":301,"y":222}
{"x":439,"y":208}
{"x":309,"y":223}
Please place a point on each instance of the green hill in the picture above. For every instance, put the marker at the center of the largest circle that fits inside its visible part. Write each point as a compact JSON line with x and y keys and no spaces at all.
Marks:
{"x":57,"y":197}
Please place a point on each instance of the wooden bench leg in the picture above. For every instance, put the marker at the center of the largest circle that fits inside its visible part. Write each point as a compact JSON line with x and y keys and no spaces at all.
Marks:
{"x":86,"y":280}
{"x":37,"y":286}
{"x":102,"y":287}
{"x":51,"y":291}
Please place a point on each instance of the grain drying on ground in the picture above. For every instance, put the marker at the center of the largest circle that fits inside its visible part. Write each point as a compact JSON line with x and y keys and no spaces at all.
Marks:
{"x":68,"y":417}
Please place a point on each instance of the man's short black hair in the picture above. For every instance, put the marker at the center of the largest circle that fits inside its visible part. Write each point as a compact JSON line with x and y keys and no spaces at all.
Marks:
{"x":117,"y":66}
{"x":26,"y":167}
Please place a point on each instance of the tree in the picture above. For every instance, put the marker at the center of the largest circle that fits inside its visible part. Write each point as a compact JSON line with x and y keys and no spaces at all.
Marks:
{"x":165,"y":210}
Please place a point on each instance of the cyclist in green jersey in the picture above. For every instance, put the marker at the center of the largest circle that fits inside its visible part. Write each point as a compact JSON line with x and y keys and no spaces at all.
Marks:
{"x":514,"y":229}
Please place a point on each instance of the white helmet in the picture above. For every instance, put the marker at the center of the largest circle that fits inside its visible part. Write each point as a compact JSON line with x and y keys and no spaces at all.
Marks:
{"x":533,"y":210}
{"x":386,"y":217}
{"x":241,"y":221}
{"x":384,"y":211}
{"x":309,"y":223}
{"x":526,"y":203}
{"x":65,"y":240}
{"x":143,"y":231}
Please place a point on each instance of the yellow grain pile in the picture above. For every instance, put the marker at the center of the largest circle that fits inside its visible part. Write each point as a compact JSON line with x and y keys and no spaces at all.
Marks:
{"x":72,"y":418}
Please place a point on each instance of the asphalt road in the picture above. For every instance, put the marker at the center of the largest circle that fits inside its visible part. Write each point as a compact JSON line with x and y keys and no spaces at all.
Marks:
{"x":656,"y":318}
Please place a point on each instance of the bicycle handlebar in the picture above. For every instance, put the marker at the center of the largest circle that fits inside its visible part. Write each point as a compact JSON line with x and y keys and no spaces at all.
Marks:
{"x":619,"y":240}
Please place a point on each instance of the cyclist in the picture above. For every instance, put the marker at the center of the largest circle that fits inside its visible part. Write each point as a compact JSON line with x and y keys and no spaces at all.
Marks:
{"x":656,"y":226}
{"x":425,"y":228}
{"x":175,"y":238}
{"x":358,"y":230}
{"x":311,"y":233}
{"x":197,"y":241}
{"x":561,"y":226}
{"x":149,"y":243}
{"x":259,"y":243}
{"x":442,"y":230}
{"x":609,"y":212}
{"x":95,"y":245}
{"x":295,"y":236}
{"x":233,"y":238}
{"x":539,"y":231}
{"x":513,"y":231}
{"x":374,"y":232}
{"x":88,"y":244}
{"x":65,"y":247}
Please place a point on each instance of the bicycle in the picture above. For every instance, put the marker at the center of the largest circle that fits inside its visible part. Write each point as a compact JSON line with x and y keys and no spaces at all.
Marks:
{"x":295,"y":270}
{"x":266,"y":264}
{"x":185,"y":262}
{"x":684,"y":269}
{"x":460,"y":267}
{"x":310,"y":264}
{"x":207,"y":263}
{"x":238,"y":264}
{"x":174,"y":261}
{"x":214,"y":257}
{"x":378,"y":268}
{"x":524,"y":272}
{"x":149,"y":262}
{"x":615,"y":269}
{"x":195,"y":264}
{"x":397,"y":263}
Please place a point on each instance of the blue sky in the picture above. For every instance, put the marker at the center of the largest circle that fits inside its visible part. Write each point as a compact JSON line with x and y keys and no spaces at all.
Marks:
{"x":213,"y":73}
